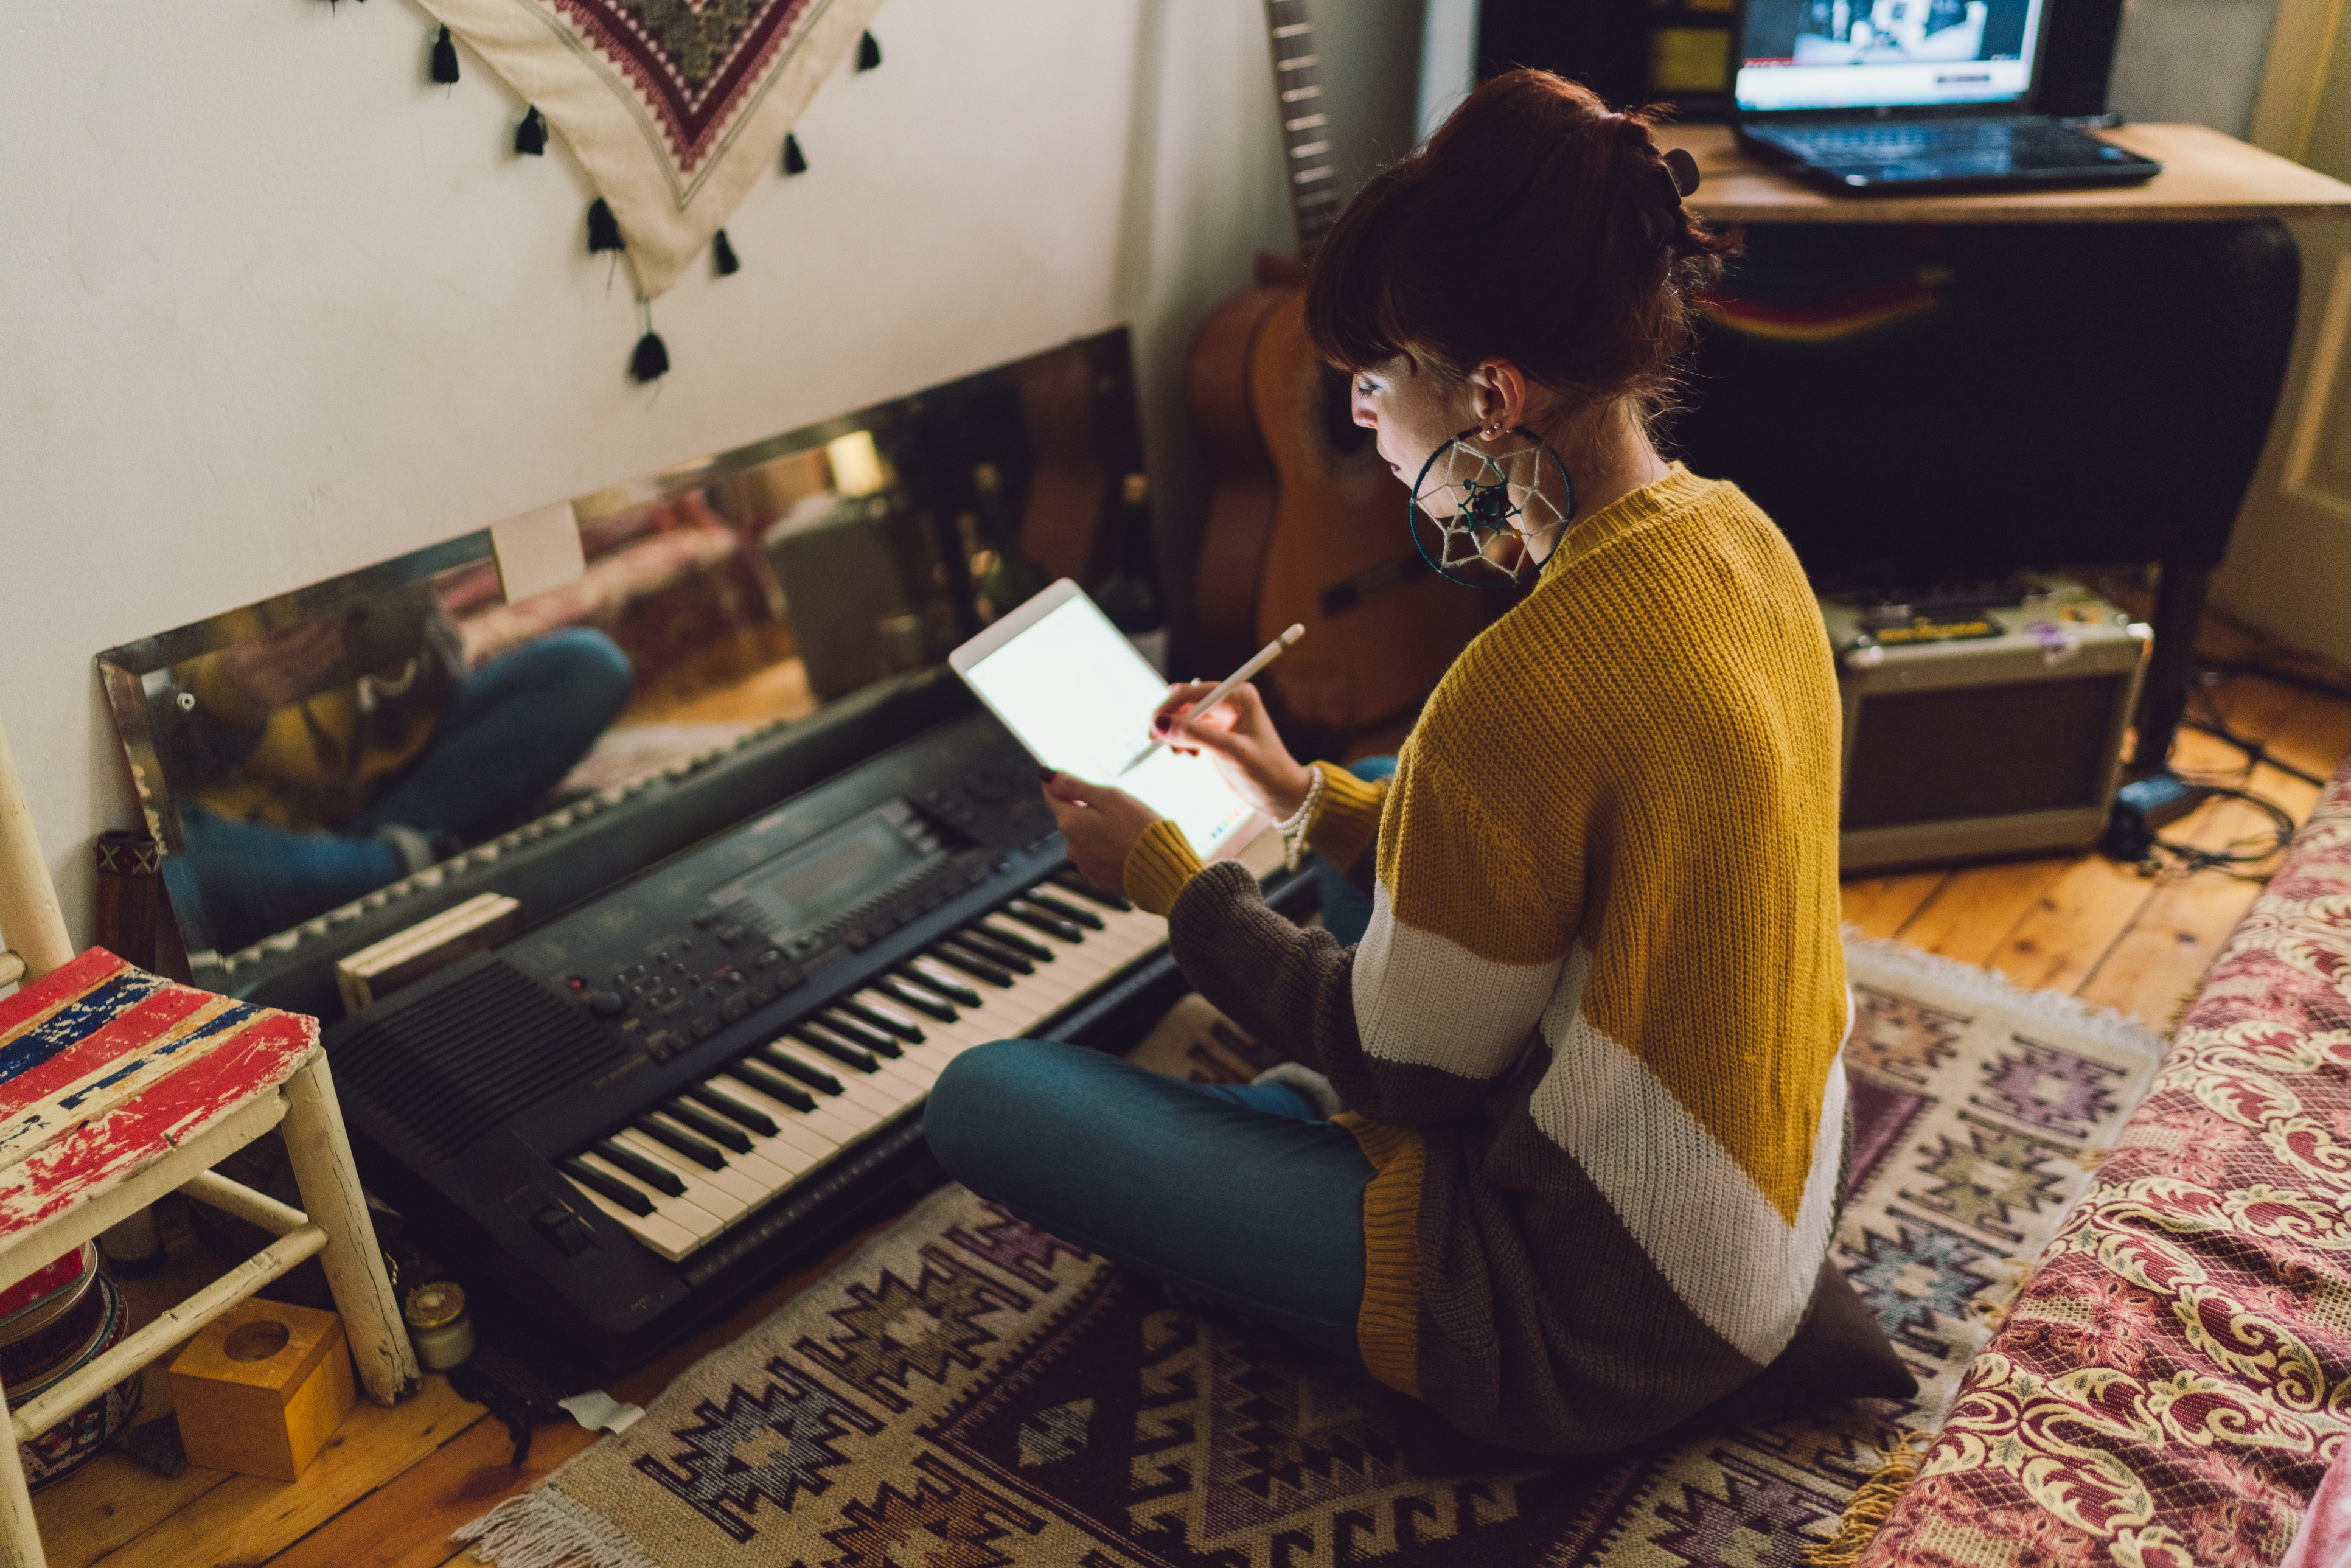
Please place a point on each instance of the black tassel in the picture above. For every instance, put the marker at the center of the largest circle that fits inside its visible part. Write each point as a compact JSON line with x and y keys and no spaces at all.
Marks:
{"x":651,"y":361}
{"x":722,"y":256}
{"x":444,"y":57}
{"x":603,"y":229}
{"x":530,"y":136}
{"x":869,"y":53}
{"x":793,"y":162}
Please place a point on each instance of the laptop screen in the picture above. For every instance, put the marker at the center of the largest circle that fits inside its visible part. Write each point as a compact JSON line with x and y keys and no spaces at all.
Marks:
{"x":1864,"y":54}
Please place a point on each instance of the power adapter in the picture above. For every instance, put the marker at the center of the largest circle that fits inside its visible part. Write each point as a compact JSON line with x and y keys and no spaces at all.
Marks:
{"x":2143,"y":807}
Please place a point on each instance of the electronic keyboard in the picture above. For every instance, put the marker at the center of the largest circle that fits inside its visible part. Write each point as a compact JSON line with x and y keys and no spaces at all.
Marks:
{"x":623,"y":1119}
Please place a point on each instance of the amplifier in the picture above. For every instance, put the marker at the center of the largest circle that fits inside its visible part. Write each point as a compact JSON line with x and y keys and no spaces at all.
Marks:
{"x":1981,"y":726}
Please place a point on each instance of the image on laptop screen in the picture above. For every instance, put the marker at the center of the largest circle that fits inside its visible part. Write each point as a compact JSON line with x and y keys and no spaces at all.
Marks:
{"x":1862,"y":54}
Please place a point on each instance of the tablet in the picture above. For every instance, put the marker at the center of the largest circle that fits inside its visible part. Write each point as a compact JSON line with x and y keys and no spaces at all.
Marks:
{"x":1072,"y":689}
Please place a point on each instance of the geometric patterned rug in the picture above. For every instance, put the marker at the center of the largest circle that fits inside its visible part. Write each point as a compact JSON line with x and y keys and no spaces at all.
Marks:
{"x":966,"y":1392}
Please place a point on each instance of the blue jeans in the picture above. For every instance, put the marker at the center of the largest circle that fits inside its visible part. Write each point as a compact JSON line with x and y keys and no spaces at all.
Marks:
{"x":512,"y":729}
{"x":1238,"y":1194}
{"x":1347,"y":909}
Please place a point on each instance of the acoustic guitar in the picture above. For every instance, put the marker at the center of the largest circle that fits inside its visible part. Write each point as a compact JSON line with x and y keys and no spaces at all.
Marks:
{"x":1305,"y":523}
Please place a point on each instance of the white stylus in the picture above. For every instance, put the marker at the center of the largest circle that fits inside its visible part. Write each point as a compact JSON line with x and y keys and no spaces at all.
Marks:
{"x":1258,"y":660}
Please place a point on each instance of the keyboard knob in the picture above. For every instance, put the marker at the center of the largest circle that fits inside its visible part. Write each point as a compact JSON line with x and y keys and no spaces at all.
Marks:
{"x":607,"y":1004}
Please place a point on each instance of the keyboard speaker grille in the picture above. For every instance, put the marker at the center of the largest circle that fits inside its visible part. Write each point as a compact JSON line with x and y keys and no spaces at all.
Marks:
{"x":453,"y":1065}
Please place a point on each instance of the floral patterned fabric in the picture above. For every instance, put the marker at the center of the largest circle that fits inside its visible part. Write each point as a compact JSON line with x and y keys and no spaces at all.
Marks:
{"x":2170,"y":1387}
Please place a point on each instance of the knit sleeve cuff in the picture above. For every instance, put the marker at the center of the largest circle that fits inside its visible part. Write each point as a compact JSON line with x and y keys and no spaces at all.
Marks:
{"x":1348,"y":819}
{"x":1159,"y":865}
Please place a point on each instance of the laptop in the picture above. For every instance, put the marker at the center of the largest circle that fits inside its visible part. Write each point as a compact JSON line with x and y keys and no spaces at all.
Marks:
{"x":1910,"y":97}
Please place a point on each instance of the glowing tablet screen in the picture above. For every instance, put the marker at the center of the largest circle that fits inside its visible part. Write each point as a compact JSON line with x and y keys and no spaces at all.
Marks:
{"x":1080,"y":697}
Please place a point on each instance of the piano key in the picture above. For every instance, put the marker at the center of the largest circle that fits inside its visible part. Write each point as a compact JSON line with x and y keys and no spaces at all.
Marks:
{"x":1066,"y":906}
{"x":868,"y":1005}
{"x":596,"y":1182}
{"x":792,"y":1153}
{"x":928,"y":972}
{"x":915,"y":996}
{"x":864,"y":1100}
{"x":681,"y":1141}
{"x":900,"y":1083}
{"x":696,"y":1119}
{"x":840,"y":1050}
{"x":957,"y":955}
{"x":739,"y":1182}
{"x":836,"y":1125}
{"x":773,"y":1084}
{"x":858,"y":1033}
{"x":808,"y":1072}
{"x":1003,"y":936}
{"x":978,"y":941}
{"x":664,"y":1238}
{"x":647,"y":1170}
{"x":752,"y":1162}
{"x":725,"y":1200}
{"x":1073,"y":880}
{"x":1051,"y":925}
{"x":683,"y":1213}
{"x":733,"y":1108}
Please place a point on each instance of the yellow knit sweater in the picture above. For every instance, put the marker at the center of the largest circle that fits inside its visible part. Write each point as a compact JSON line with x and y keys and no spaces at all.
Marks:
{"x":1590,"y":1038}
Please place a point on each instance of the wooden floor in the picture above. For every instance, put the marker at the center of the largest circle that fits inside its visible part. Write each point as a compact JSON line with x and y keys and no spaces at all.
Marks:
{"x":394,"y":1483}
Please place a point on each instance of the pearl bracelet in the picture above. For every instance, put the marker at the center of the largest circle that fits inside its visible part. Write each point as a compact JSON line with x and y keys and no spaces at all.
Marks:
{"x":1293,"y":828}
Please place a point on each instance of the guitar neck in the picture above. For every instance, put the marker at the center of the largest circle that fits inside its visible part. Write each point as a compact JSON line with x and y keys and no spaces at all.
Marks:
{"x":1312,"y":177}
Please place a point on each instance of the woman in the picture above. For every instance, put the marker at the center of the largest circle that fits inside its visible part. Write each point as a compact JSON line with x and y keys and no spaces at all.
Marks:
{"x":1589,"y":1039}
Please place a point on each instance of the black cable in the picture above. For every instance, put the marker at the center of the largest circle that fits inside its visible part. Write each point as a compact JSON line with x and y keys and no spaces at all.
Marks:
{"x":2188,"y":858}
{"x":2256,"y":754}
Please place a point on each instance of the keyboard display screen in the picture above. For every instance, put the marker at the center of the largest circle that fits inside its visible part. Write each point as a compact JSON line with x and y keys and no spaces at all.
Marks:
{"x":807,"y":888}
{"x":1863,"y":54}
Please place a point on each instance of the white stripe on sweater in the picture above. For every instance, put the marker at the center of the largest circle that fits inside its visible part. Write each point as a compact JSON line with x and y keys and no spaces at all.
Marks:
{"x":1423,"y":1000}
{"x":1721,"y":1244}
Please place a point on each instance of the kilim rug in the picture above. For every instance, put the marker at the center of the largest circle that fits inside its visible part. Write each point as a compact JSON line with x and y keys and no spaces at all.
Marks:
{"x":966,"y":1392}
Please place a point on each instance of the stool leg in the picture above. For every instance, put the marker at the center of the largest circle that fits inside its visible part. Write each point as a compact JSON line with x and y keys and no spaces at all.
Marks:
{"x":20,"y":1537}
{"x":321,"y":1156}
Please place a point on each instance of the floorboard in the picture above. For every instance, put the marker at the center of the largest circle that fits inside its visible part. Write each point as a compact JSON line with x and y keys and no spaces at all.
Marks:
{"x":395,"y":1482}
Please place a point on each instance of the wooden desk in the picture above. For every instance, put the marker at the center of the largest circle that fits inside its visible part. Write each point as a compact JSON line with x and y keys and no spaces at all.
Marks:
{"x":2207,"y":178}
{"x":2210,"y":180}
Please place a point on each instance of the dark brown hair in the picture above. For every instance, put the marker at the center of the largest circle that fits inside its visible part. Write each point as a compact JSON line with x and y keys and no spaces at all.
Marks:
{"x":1537,"y":226}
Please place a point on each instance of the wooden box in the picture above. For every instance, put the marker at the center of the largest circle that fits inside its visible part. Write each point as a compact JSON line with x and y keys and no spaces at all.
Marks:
{"x":262,"y":1388}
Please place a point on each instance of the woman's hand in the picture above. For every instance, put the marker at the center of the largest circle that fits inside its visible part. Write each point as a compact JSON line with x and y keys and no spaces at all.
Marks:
{"x":1100,"y":824}
{"x":1241,"y":735}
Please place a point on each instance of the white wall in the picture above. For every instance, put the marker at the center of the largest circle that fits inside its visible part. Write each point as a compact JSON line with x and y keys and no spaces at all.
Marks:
{"x":276,"y":306}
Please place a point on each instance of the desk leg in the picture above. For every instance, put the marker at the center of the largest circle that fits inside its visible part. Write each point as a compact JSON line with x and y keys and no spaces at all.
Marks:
{"x":2163,"y":695}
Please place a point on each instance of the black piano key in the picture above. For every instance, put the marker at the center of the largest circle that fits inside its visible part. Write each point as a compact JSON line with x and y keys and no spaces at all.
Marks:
{"x":883,"y":1020}
{"x":1028,"y":914}
{"x":596,"y":1181}
{"x":921,"y":1000}
{"x":652,"y":1172}
{"x":954,"y":991}
{"x":1067,"y":908}
{"x":708,"y":1125}
{"x":772,"y":1085}
{"x":995,"y":952}
{"x":815,"y":1077}
{"x":971,"y":963}
{"x":856,"y":1033}
{"x":693,"y":1149}
{"x":1071,"y":878}
{"x":733,"y":1110}
{"x":1005,"y":937}
{"x":840,"y":1050}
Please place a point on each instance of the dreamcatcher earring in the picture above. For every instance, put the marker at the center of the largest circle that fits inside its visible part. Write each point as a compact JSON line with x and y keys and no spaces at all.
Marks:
{"x":1485,"y":510}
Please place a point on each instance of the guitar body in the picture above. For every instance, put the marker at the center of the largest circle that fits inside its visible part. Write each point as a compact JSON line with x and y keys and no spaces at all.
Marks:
{"x":1306,"y":526}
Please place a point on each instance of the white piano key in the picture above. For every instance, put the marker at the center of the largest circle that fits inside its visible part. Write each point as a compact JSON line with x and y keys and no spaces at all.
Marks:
{"x":665,"y":1237}
{"x":730,"y":1191}
{"x":891,"y":1069}
{"x":756,"y":1165}
{"x":839,"y":1125}
{"x":857,"y":1089}
{"x":683,"y":1212}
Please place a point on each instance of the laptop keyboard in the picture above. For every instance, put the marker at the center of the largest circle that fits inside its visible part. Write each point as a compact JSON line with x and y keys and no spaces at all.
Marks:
{"x":1955,"y":146}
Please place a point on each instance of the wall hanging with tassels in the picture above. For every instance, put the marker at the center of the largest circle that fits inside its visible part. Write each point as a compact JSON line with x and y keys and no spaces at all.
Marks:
{"x":673,"y":111}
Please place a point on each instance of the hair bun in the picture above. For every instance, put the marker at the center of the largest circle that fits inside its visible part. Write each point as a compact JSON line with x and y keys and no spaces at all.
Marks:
{"x":1684,"y":169}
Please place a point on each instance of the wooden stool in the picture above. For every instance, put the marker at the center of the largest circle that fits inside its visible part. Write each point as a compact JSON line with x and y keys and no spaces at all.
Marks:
{"x":118,"y":1087}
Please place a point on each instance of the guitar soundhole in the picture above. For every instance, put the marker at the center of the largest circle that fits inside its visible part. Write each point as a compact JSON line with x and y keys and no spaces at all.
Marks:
{"x":1339,"y":427}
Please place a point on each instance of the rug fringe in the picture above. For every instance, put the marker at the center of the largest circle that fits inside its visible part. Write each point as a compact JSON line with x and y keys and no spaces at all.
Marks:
{"x":1867,"y":1511}
{"x":538,"y":1530}
{"x":2107,"y":1025}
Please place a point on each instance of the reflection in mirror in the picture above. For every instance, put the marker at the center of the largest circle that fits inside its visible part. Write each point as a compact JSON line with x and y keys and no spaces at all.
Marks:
{"x":307,"y":760}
